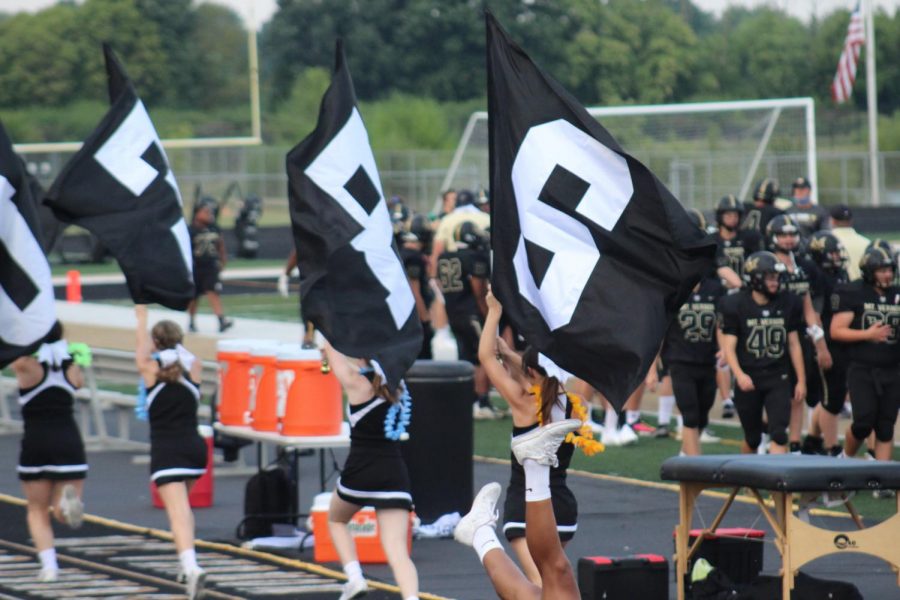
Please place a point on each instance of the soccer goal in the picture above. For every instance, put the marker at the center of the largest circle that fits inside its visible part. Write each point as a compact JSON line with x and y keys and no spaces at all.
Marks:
{"x":701,"y":151}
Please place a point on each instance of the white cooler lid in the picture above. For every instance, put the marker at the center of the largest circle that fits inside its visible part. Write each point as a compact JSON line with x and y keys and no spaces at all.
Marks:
{"x":264,"y":348}
{"x":236,"y":345}
{"x":295,"y":352}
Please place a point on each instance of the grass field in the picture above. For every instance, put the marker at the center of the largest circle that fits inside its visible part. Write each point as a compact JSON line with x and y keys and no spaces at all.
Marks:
{"x":268,"y":306}
{"x":642,"y":460}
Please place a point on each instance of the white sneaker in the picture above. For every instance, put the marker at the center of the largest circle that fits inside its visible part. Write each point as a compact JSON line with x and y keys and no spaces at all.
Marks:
{"x":728,"y":409}
{"x":71,"y":507}
{"x":483,"y":512}
{"x":610,"y":437}
{"x":708,"y":437}
{"x":354,"y":588}
{"x":596,"y":427}
{"x":541,"y":444}
{"x":763,"y":444}
{"x":484,"y":413}
{"x":627,"y":436}
{"x":48,"y":575}
{"x":195,"y":581}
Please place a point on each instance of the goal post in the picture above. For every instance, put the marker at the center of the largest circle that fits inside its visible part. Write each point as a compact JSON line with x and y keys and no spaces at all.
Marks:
{"x":700,"y":150}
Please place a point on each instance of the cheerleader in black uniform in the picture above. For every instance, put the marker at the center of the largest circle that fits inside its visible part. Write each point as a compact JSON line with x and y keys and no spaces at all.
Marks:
{"x":52,"y":462}
{"x":178,"y":454}
{"x":539,"y":430}
{"x":374,"y":474}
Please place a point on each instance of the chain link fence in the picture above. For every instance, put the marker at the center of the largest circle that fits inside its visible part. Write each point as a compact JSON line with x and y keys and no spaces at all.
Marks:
{"x":416,"y":175}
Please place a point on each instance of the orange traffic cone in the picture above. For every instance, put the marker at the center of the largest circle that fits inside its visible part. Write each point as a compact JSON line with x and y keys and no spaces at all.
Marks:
{"x":73,"y":286}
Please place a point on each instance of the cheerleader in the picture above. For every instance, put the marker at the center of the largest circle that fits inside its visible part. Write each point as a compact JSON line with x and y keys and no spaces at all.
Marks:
{"x":178,"y":455}
{"x":52,"y":463}
{"x":374,"y":474}
{"x":540,"y":428}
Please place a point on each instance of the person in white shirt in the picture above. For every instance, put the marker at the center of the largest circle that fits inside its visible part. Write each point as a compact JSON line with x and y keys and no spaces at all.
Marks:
{"x":853,"y":242}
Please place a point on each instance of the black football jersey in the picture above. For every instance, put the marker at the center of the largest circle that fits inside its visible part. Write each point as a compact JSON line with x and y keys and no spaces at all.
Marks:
{"x":205,"y":244}
{"x":455,"y":272}
{"x":691,"y":337}
{"x":810,"y":219}
{"x":756,"y":218}
{"x":870,"y":306}
{"x":825,"y":306}
{"x":806,"y":277}
{"x":414,"y":265}
{"x":732,"y":253}
{"x":761,"y":329}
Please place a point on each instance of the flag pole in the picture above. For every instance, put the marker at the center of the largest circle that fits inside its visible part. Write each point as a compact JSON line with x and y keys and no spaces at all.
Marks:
{"x":253,"y":67}
{"x":872,"y":100}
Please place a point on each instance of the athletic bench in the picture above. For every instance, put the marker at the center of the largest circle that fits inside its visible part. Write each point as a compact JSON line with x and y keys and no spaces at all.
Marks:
{"x":785,"y":476}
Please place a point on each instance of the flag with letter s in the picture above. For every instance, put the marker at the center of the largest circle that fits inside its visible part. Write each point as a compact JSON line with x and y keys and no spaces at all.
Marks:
{"x":593,"y":256}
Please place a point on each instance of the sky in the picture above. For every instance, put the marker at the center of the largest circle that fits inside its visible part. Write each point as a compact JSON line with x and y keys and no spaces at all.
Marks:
{"x":262,"y":10}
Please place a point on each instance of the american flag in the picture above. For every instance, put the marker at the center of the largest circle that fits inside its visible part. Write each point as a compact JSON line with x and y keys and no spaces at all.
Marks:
{"x":842,"y":86}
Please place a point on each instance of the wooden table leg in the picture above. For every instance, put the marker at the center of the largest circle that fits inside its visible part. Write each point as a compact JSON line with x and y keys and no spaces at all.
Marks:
{"x":784,"y":508}
{"x":687,"y":496}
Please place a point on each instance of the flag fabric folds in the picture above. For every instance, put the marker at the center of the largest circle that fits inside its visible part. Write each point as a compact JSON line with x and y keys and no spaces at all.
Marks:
{"x":119,"y":186}
{"x":593,"y":256}
{"x":842,"y":86}
{"x":27,"y":311}
{"x":352,"y":284}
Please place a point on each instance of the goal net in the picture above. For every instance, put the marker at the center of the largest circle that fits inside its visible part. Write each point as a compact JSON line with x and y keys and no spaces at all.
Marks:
{"x":701,"y":151}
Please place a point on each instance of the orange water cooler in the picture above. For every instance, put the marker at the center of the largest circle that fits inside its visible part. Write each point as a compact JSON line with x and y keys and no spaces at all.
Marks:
{"x":264,"y":394}
{"x":312,"y":395}
{"x":234,"y":381}
{"x":363,"y":527}
{"x":201,"y":495}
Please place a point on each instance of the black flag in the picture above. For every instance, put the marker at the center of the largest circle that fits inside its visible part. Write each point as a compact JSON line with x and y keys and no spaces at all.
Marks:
{"x":27,"y":311}
{"x":593,"y":256}
{"x":119,"y":187}
{"x":352,"y":283}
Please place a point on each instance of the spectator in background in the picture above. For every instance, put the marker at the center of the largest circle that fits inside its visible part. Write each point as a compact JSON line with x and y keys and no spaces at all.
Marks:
{"x":208,"y":250}
{"x":809,"y":217}
{"x":853,"y":242}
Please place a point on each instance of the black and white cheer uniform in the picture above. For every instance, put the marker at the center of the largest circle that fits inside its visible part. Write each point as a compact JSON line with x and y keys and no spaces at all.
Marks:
{"x":51,"y":446}
{"x":375,"y":473}
{"x":177,"y":452}
{"x":565,"y":506}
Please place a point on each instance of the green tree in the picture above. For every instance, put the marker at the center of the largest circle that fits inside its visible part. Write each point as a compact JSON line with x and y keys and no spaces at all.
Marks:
{"x":42,"y":61}
{"x":630,"y":52}
{"x":220,"y":48}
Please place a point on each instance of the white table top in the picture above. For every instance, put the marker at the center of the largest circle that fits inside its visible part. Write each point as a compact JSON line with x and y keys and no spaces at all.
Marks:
{"x":342,"y":440}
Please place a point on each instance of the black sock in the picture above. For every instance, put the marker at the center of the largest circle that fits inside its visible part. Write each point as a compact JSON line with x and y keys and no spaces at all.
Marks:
{"x":222,"y":319}
{"x":483,"y":401}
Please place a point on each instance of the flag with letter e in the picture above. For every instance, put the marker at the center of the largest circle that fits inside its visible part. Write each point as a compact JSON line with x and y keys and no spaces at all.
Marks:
{"x":593,"y":256}
{"x":352,"y":284}
{"x":119,"y":187}
{"x":27,"y":312}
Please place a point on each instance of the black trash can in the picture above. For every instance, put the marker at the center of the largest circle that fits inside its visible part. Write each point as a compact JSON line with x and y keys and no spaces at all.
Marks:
{"x":439,"y":451}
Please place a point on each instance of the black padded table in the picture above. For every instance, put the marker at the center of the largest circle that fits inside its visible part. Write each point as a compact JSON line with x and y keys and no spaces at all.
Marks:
{"x":785,"y":476}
